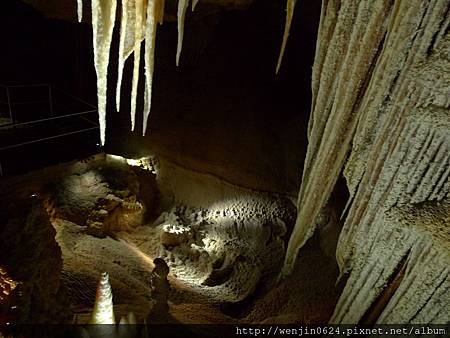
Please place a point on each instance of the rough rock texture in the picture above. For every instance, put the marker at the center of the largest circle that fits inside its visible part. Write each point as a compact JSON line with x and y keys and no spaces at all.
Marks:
{"x":30,"y":268}
{"x":107,"y":198}
{"x":381,"y":101}
{"x":219,"y":237}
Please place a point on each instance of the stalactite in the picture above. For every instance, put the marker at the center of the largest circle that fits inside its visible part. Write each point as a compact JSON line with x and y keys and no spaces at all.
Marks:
{"x":160,"y":11}
{"x":132,"y":32}
{"x":194,"y":4}
{"x":126,"y":26}
{"x":289,"y":14}
{"x":80,"y":10}
{"x":103,"y":19}
{"x":140,"y":14}
{"x":334,"y":121}
{"x":150,"y":39}
{"x":401,"y":159}
{"x":181,"y":14}
{"x":103,"y":312}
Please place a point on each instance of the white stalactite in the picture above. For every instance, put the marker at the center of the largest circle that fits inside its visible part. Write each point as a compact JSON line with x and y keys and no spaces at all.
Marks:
{"x":289,"y":14}
{"x":160,"y":11}
{"x":140,"y":14}
{"x":181,"y":14}
{"x":103,"y":312}
{"x":124,"y":28}
{"x":150,"y":39}
{"x":80,"y":10}
{"x":103,"y":19}
{"x":194,"y":4}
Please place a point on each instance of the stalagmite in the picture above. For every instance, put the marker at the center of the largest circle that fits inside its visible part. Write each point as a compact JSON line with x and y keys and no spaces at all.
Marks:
{"x":194,"y":4}
{"x":150,"y":39}
{"x":181,"y":14}
{"x":103,"y":312}
{"x":80,"y":10}
{"x":103,"y":18}
{"x":289,"y":14}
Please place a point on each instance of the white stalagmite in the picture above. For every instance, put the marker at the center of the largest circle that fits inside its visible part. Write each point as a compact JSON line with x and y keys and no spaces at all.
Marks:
{"x":181,"y":14}
{"x":289,"y":14}
{"x":80,"y":10}
{"x":103,"y":18}
{"x":150,"y":39}
{"x":103,"y":312}
{"x":194,"y":4}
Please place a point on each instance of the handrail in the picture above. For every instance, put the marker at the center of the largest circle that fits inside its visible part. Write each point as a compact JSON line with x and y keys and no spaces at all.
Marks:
{"x":47,"y":138}
{"x":24,"y":86}
{"x":52,"y":116}
{"x":48,"y":119}
{"x":76,"y":98}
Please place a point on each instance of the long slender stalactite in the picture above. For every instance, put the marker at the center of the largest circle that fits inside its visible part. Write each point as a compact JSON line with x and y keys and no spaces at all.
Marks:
{"x":287,"y":28}
{"x":194,"y":4}
{"x":103,"y":20}
{"x":80,"y":10}
{"x":138,"y":37}
{"x":150,"y":40}
{"x":126,"y":30}
{"x":181,"y":14}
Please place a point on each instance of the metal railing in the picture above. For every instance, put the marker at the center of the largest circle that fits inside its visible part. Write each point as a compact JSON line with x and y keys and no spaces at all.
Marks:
{"x":52,"y":115}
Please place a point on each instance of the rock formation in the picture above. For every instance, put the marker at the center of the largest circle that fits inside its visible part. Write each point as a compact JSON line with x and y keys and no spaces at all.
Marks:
{"x":30,"y":266}
{"x":380,"y":114}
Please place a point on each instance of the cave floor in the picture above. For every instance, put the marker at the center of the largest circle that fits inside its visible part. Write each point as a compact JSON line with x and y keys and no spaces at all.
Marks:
{"x":308,"y":296}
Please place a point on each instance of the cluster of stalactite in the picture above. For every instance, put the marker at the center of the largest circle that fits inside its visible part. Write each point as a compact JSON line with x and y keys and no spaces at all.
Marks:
{"x":138,"y":22}
{"x":380,"y":116}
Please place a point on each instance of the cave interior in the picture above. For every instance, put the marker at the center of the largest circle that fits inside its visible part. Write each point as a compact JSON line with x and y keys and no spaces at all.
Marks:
{"x":315,"y":193}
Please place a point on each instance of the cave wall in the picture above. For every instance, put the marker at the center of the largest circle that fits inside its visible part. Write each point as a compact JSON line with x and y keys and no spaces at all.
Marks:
{"x":30,"y":267}
{"x":380,"y":116}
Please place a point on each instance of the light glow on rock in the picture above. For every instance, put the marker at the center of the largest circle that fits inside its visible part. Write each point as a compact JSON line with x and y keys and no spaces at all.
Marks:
{"x":103,"y":312}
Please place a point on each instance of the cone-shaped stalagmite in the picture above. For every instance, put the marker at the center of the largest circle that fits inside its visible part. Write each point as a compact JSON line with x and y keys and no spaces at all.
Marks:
{"x":103,"y":312}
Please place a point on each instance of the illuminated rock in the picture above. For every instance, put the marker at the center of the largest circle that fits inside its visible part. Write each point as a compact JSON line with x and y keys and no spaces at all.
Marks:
{"x":103,"y":312}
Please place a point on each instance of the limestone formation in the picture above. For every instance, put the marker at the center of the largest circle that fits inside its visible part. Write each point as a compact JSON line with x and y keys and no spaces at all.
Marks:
{"x":381,"y":86}
{"x":103,"y":312}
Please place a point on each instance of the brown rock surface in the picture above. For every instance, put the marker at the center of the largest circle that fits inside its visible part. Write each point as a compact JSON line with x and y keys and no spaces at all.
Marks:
{"x":32,"y":266}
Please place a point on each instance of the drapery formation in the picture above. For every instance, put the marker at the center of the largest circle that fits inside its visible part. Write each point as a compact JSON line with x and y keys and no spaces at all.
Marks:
{"x":380,"y":115}
{"x":138,"y":22}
